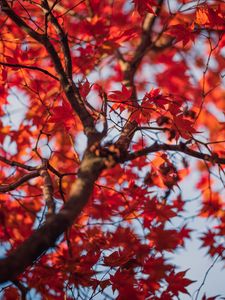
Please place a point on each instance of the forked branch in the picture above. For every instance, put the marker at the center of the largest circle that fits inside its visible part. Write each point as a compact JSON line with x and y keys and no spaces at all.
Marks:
{"x":214,"y":158}
{"x":46,"y":236}
{"x":70,"y":89}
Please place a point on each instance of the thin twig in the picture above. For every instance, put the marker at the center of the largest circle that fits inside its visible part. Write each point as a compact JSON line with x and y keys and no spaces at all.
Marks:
{"x":12,"y":186}
{"x":20,"y":66}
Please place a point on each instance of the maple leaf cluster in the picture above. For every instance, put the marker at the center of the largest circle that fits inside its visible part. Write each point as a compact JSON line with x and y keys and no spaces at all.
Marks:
{"x":108,"y":109}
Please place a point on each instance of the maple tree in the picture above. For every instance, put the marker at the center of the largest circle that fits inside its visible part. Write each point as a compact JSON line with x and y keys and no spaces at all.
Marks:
{"x":122,"y":100}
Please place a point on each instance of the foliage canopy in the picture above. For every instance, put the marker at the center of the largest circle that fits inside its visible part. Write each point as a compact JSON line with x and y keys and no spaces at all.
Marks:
{"x":122,"y":101}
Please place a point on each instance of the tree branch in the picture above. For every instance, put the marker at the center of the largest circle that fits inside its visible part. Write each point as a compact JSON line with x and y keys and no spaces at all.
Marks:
{"x":12,"y":186}
{"x":23,"y":25}
{"x":126,"y":135}
{"x":70,"y":89}
{"x":46,"y":236}
{"x":20,"y":66}
{"x":131,"y":67}
{"x":178,"y":148}
{"x":144,"y":45}
{"x":48,"y":190}
{"x":17,"y":164}
{"x":62,"y":36}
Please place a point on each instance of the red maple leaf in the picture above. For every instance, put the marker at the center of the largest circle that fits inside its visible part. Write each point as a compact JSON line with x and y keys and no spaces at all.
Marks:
{"x":63,"y":115}
{"x":144,"y":6}
{"x":182,"y":33}
{"x":177,"y":283}
{"x":122,"y":98}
